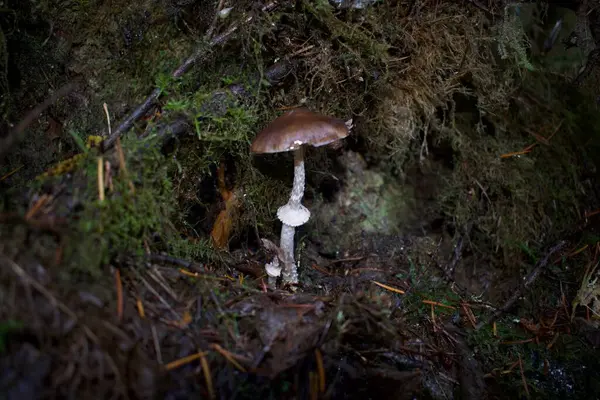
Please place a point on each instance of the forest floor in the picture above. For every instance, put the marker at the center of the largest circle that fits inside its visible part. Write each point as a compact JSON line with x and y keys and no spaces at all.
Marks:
{"x":452,"y":246}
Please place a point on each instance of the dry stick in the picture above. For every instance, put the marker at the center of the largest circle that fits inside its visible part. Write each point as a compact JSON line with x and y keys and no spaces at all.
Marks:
{"x":177,"y":261}
{"x":16,"y":134}
{"x":199,"y":55}
{"x":100,"y":179}
{"x":207,"y":375}
{"x":182,"y":361}
{"x":156,"y":277}
{"x":451,"y":267}
{"x":531,"y":278}
{"x":229,"y":356}
{"x":213,"y":25}
{"x":158,"y":296}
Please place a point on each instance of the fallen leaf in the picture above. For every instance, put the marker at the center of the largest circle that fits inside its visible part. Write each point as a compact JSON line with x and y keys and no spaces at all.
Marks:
{"x":223,"y":225}
{"x":54,"y":129}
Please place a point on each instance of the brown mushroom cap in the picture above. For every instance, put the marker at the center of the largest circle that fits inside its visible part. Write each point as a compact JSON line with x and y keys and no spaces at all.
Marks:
{"x":298,"y":127}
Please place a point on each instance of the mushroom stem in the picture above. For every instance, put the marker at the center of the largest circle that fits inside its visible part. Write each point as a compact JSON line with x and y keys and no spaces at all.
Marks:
{"x":286,"y":242}
{"x":299,"y":177}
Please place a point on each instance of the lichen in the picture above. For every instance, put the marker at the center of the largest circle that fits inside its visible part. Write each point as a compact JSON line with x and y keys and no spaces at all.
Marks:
{"x":512,"y":40}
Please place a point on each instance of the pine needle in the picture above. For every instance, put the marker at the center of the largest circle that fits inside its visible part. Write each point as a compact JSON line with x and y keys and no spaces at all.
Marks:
{"x":228,"y":356}
{"x":207,"y":375}
{"x":390,"y":288}
{"x":523,"y":377}
{"x":11,"y":173}
{"x":183,"y":361}
{"x":140,"y":307}
{"x":435,"y":303}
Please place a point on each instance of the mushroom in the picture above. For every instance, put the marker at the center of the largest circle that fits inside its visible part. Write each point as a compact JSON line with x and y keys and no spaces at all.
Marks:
{"x":292,"y":132}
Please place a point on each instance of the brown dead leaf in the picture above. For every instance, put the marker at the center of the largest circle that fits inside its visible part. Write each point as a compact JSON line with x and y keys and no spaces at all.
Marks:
{"x":54,"y":129}
{"x":223,"y":225}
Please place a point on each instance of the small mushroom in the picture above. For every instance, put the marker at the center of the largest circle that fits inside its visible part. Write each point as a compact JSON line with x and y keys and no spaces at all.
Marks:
{"x":292,"y":132}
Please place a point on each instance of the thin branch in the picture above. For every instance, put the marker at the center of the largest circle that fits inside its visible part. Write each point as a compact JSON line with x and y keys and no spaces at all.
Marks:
{"x":177,"y":261}
{"x":531,"y":278}
{"x":200,"y":55}
{"x":213,"y":25}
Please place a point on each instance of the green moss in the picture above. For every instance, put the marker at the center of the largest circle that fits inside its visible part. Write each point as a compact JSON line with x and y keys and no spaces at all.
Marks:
{"x":512,"y":41}
{"x":187,"y":249}
{"x":527,"y":199}
{"x":125,"y":222}
{"x":361,"y":44}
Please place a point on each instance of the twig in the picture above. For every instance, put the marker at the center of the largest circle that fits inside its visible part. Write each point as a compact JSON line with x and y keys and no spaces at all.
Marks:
{"x":100,"y":179}
{"x":470,"y":316}
{"x":341,"y":260}
{"x":320,"y":370}
{"x":119,"y":285}
{"x":449,"y":270}
{"x":213,"y":25}
{"x":140,"y":307}
{"x":183,"y":361}
{"x":531,"y":278}
{"x":156,"y":345}
{"x":177,"y":261}
{"x":200,"y":55}
{"x":37,"y":205}
{"x":438,"y":304}
{"x":16,"y":134}
{"x":9,"y":174}
{"x":207,"y":375}
{"x":228,"y":356}
{"x":523,"y":377}
{"x":105,"y":106}
{"x":424,"y":149}
{"x":158,"y":296}
{"x":122,"y":165}
{"x":390,"y":288}
{"x":158,"y":278}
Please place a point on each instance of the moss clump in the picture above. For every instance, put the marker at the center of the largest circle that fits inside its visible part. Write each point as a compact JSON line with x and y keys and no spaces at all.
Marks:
{"x":512,"y":41}
{"x":128,"y":221}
